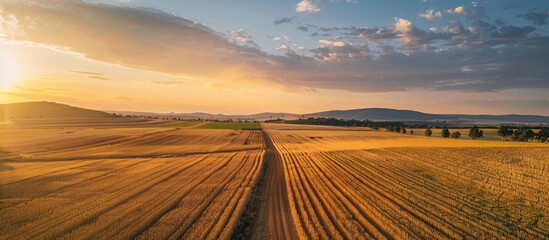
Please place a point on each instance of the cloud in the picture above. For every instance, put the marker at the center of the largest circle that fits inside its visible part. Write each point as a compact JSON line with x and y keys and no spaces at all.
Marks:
{"x":303,"y":28}
{"x":458,"y":10}
{"x":282,"y":20}
{"x":92,"y":75}
{"x":241,"y":35}
{"x":396,"y":57}
{"x":308,"y":6}
{"x":134,"y":37}
{"x":88,"y":73}
{"x":339,"y":52}
{"x":99,"y":78}
{"x":347,"y":1}
{"x":537,"y":17}
{"x":474,"y":12}
{"x":166,"y":82}
{"x":430,"y":15}
{"x":333,"y":42}
{"x":281,"y":38}
{"x":404,"y":26}
{"x":283,"y":47}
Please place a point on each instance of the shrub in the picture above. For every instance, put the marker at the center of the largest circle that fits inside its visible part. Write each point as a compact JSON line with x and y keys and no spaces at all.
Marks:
{"x":475,"y":132}
{"x":428,"y":132}
{"x":445,"y":132}
{"x":455,"y":135}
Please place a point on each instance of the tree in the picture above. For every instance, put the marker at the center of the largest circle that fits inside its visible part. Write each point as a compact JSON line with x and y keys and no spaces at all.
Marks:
{"x":412,"y":132}
{"x":445,"y":132}
{"x":403,"y":130}
{"x":475,"y":132}
{"x":522,"y":134}
{"x":504,"y":132}
{"x":428,"y":132}
{"x":390,"y":128}
{"x":455,"y":135}
{"x":397,"y":129}
{"x":543,"y":134}
{"x":528,"y":135}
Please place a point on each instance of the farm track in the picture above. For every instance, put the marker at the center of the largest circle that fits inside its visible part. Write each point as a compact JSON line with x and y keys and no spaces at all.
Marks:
{"x":278,"y":218}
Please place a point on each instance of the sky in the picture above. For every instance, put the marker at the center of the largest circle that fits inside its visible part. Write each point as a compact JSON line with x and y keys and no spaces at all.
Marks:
{"x":250,"y":56}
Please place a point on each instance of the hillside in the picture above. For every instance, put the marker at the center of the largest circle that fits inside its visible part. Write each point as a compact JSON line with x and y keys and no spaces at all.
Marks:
{"x":384,"y":114}
{"x":56,"y":110}
{"x":48,"y":110}
{"x":195,"y":115}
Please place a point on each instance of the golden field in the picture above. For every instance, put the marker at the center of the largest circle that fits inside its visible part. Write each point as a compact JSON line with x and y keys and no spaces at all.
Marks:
{"x":120,"y":183}
{"x":153,"y":179}
{"x":345,"y":184}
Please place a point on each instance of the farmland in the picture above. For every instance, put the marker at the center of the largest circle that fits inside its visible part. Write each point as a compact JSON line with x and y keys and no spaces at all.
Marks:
{"x":345,"y":184}
{"x":155,"y":179}
{"x":144,"y":183}
{"x":231,"y":125}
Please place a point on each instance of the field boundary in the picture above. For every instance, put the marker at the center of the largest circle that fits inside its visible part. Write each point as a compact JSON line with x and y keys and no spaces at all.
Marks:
{"x":251,"y":225}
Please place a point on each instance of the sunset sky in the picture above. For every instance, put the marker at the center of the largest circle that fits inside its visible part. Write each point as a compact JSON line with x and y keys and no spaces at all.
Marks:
{"x":249,"y":56}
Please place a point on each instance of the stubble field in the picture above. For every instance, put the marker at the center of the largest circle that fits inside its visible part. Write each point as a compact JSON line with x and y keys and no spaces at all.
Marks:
{"x":143,"y":180}
{"x":346,"y":184}
{"x":108,"y":183}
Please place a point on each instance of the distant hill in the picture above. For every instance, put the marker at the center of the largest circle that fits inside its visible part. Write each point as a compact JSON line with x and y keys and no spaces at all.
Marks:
{"x":56,"y":110}
{"x":48,"y":110}
{"x":385,"y":114}
{"x":194,"y":115}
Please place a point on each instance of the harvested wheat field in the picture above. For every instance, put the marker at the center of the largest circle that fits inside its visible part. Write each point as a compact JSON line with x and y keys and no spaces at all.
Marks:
{"x":343,"y":184}
{"x":143,"y":183}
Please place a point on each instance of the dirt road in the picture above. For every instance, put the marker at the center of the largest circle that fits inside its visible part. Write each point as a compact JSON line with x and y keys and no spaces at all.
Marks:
{"x":278,"y":218}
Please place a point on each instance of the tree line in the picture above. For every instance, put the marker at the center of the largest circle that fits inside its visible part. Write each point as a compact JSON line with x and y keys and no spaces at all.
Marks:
{"x":522,"y":134}
{"x":341,"y":122}
{"x":508,"y":133}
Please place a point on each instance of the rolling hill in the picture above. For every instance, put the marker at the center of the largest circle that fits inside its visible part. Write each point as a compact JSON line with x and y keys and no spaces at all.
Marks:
{"x":56,"y":110}
{"x":385,"y":114}
{"x":48,"y":110}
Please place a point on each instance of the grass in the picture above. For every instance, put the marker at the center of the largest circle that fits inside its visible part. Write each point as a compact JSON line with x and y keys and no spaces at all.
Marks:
{"x":177,"y":125}
{"x":231,"y":125}
{"x":163,"y":125}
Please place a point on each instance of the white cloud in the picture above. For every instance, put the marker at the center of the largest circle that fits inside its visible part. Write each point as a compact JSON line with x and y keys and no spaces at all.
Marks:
{"x":241,"y":35}
{"x":307,"y":6}
{"x":404,"y":25}
{"x":281,"y":38}
{"x":458,"y":10}
{"x":332,"y":43}
{"x":430,"y":15}
{"x":283,"y":47}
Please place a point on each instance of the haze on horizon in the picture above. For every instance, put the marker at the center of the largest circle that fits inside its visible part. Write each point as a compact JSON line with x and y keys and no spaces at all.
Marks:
{"x":242,"y":57}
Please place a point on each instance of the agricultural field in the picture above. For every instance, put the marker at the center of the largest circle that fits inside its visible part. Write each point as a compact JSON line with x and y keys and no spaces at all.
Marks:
{"x":231,"y":125}
{"x":343,"y":184}
{"x":124,"y":178}
{"x":489,"y":133}
{"x":122,"y":183}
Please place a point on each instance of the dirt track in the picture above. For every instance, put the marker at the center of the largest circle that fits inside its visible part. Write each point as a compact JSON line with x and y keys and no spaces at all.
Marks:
{"x":278,"y":218}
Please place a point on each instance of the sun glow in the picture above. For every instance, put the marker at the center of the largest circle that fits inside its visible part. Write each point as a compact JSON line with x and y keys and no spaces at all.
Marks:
{"x":8,"y":70}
